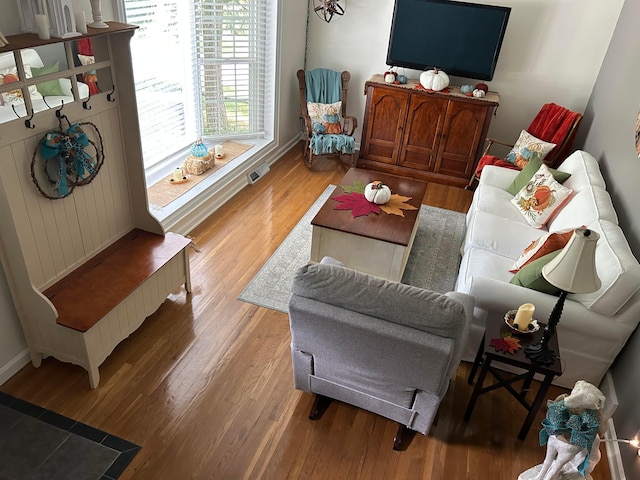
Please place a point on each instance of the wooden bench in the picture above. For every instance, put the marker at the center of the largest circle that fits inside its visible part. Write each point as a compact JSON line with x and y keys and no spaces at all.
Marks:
{"x":103,"y":301}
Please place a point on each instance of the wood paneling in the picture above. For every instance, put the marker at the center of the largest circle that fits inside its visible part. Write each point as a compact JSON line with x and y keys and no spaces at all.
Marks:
{"x":205,"y":384}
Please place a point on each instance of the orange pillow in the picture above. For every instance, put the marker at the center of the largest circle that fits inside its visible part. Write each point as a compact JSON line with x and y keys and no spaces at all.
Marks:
{"x":547,"y":243}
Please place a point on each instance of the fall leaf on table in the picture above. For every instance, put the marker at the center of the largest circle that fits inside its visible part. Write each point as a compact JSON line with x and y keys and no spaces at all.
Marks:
{"x":507,"y":344}
{"x":396,"y":205}
{"x":357,"y":203}
{"x":357,"y":187}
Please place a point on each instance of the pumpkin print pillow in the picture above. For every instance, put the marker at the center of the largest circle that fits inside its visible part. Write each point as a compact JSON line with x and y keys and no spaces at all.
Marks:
{"x":526,"y":146}
{"x":325,"y":117}
{"x":540,"y":197}
{"x":15,"y":96}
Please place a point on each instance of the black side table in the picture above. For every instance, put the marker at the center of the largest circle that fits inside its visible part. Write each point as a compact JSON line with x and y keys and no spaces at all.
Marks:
{"x":487,"y":355}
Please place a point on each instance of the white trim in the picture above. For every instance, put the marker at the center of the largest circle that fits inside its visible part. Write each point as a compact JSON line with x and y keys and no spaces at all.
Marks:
{"x":12,"y":367}
{"x":616,"y":469}
{"x":193,"y":211}
{"x":607,"y":387}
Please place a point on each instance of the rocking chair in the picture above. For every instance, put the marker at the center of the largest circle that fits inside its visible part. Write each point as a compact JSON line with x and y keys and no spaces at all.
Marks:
{"x":323,"y":100}
{"x":553,"y":124}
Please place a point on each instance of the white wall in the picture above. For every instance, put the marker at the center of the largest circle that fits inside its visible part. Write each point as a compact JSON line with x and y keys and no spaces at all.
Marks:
{"x":552,"y":52}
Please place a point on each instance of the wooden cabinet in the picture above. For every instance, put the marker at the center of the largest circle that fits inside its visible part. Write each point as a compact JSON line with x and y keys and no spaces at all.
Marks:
{"x":429,"y":136}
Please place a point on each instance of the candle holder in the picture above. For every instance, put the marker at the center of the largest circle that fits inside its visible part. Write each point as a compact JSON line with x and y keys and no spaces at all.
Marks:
{"x":96,"y":12}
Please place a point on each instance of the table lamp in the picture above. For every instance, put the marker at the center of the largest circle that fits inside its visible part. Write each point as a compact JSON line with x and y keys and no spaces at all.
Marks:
{"x":572,"y":271}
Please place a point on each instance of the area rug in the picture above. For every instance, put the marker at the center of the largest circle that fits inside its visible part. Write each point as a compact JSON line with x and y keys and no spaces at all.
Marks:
{"x":38,"y":443}
{"x":433,"y":262}
{"x":162,"y":193}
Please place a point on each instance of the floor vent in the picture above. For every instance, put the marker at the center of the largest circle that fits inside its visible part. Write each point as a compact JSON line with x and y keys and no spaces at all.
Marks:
{"x":258,"y":173}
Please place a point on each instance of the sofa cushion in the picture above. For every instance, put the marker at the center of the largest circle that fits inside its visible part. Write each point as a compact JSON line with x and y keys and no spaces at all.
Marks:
{"x":529,"y":171}
{"x":530,"y":276}
{"x":584,"y":171}
{"x":547,"y":243}
{"x":500,"y":235}
{"x":617,"y":268}
{"x":541,"y":197}
{"x":587,"y":205}
{"x":402,"y":304}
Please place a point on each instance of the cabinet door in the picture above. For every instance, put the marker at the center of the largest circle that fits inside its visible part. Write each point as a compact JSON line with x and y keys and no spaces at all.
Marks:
{"x":423,"y":130}
{"x":462,"y":138}
{"x":382,"y":136}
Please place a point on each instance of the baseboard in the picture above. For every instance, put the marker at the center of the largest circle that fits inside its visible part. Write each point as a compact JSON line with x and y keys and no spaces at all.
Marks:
{"x":9,"y":369}
{"x":185,"y":219}
{"x":616,"y":469}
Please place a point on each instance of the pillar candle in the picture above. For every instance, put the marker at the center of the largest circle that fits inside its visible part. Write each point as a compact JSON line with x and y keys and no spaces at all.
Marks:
{"x":177,"y":174}
{"x":219,"y":152}
{"x":524,"y":317}
{"x":81,"y":22}
{"x":42,"y":25}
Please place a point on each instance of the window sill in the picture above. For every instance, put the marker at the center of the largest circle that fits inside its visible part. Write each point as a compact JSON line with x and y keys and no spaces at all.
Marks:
{"x":186,"y":211}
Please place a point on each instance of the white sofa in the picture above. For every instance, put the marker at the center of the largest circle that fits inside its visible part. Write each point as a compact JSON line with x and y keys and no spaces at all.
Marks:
{"x":32,"y":58}
{"x":593,"y":327}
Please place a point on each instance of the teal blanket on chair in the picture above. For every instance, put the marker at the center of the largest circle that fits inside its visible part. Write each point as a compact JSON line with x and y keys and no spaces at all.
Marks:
{"x":331,"y":143}
{"x":323,"y":85}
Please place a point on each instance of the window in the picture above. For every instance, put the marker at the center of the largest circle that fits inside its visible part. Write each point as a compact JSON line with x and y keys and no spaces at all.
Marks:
{"x":200,"y":71}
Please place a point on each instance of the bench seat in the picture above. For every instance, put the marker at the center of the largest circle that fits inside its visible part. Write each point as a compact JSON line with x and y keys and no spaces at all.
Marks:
{"x":107,"y":298}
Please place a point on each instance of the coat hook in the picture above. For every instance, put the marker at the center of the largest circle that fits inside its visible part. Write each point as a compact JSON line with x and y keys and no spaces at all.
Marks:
{"x":110,"y":94}
{"x":59,"y":111}
{"x":27,"y":121}
{"x":85,"y":104}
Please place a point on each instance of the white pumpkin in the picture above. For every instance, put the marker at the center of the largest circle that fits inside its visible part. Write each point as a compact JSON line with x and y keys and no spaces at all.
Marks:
{"x":478,"y":93}
{"x":377,"y":192}
{"x":435,"y":80}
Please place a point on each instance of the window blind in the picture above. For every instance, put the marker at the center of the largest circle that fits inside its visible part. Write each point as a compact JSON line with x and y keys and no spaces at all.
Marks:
{"x":199,"y":69}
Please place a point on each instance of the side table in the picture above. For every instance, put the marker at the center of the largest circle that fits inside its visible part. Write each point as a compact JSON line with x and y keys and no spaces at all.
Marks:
{"x":487,"y":355}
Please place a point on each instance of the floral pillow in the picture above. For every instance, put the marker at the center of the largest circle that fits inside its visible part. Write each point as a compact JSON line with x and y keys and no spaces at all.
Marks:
{"x":547,"y":243}
{"x":325,"y":117}
{"x":525,"y":147}
{"x":540,"y":197}
{"x":15,"y":97}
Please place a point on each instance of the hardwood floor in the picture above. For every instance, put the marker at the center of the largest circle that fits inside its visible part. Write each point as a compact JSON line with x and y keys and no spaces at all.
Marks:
{"x":205,"y":385}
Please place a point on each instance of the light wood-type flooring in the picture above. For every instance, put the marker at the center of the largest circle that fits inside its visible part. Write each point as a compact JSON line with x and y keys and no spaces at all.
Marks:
{"x":205,"y":384}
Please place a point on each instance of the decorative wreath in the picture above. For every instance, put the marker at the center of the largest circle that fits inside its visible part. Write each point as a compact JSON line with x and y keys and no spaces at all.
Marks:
{"x":65,"y":162}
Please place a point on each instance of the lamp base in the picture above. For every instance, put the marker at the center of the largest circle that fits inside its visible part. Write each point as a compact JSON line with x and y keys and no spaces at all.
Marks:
{"x":540,"y":353}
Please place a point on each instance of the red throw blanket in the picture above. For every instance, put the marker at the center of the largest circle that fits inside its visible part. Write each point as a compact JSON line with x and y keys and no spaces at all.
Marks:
{"x":552,"y":124}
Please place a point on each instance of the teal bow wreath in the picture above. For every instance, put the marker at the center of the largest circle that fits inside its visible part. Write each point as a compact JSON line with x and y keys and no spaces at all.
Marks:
{"x":66,"y":162}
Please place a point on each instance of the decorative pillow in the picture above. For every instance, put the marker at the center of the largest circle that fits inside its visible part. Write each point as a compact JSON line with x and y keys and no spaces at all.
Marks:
{"x":529,"y":170}
{"x":89,"y":77}
{"x":531,"y":277}
{"x":540,"y":197}
{"x":547,"y":243}
{"x":318,"y":113}
{"x":52,"y":87}
{"x":525,"y":147}
{"x":15,"y":97}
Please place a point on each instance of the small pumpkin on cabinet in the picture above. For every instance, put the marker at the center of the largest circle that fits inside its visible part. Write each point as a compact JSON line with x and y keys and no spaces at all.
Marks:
{"x":377,"y":192}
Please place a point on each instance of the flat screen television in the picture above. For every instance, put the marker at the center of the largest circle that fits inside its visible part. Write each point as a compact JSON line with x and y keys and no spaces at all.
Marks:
{"x":459,"y":38}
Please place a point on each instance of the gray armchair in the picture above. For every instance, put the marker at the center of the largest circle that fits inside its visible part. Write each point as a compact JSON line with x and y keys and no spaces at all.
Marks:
{"x":382,"y":346}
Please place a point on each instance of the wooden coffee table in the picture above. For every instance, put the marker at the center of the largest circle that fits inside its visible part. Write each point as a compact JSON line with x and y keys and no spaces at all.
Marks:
{"x":378,"y":244}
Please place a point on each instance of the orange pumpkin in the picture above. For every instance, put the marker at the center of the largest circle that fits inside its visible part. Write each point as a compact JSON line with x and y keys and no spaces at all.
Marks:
{"x":543,"y":196}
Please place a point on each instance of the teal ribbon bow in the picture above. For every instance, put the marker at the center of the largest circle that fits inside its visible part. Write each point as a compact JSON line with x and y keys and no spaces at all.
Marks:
{"x":68,"y":148}
{"x":579,"y":428}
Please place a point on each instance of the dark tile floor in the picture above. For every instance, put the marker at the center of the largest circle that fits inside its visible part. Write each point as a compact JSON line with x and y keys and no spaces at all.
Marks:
{"x":36,"y":443}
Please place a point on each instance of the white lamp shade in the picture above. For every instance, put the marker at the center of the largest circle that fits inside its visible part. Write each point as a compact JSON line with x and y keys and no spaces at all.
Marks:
{"x":574,"y":269}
